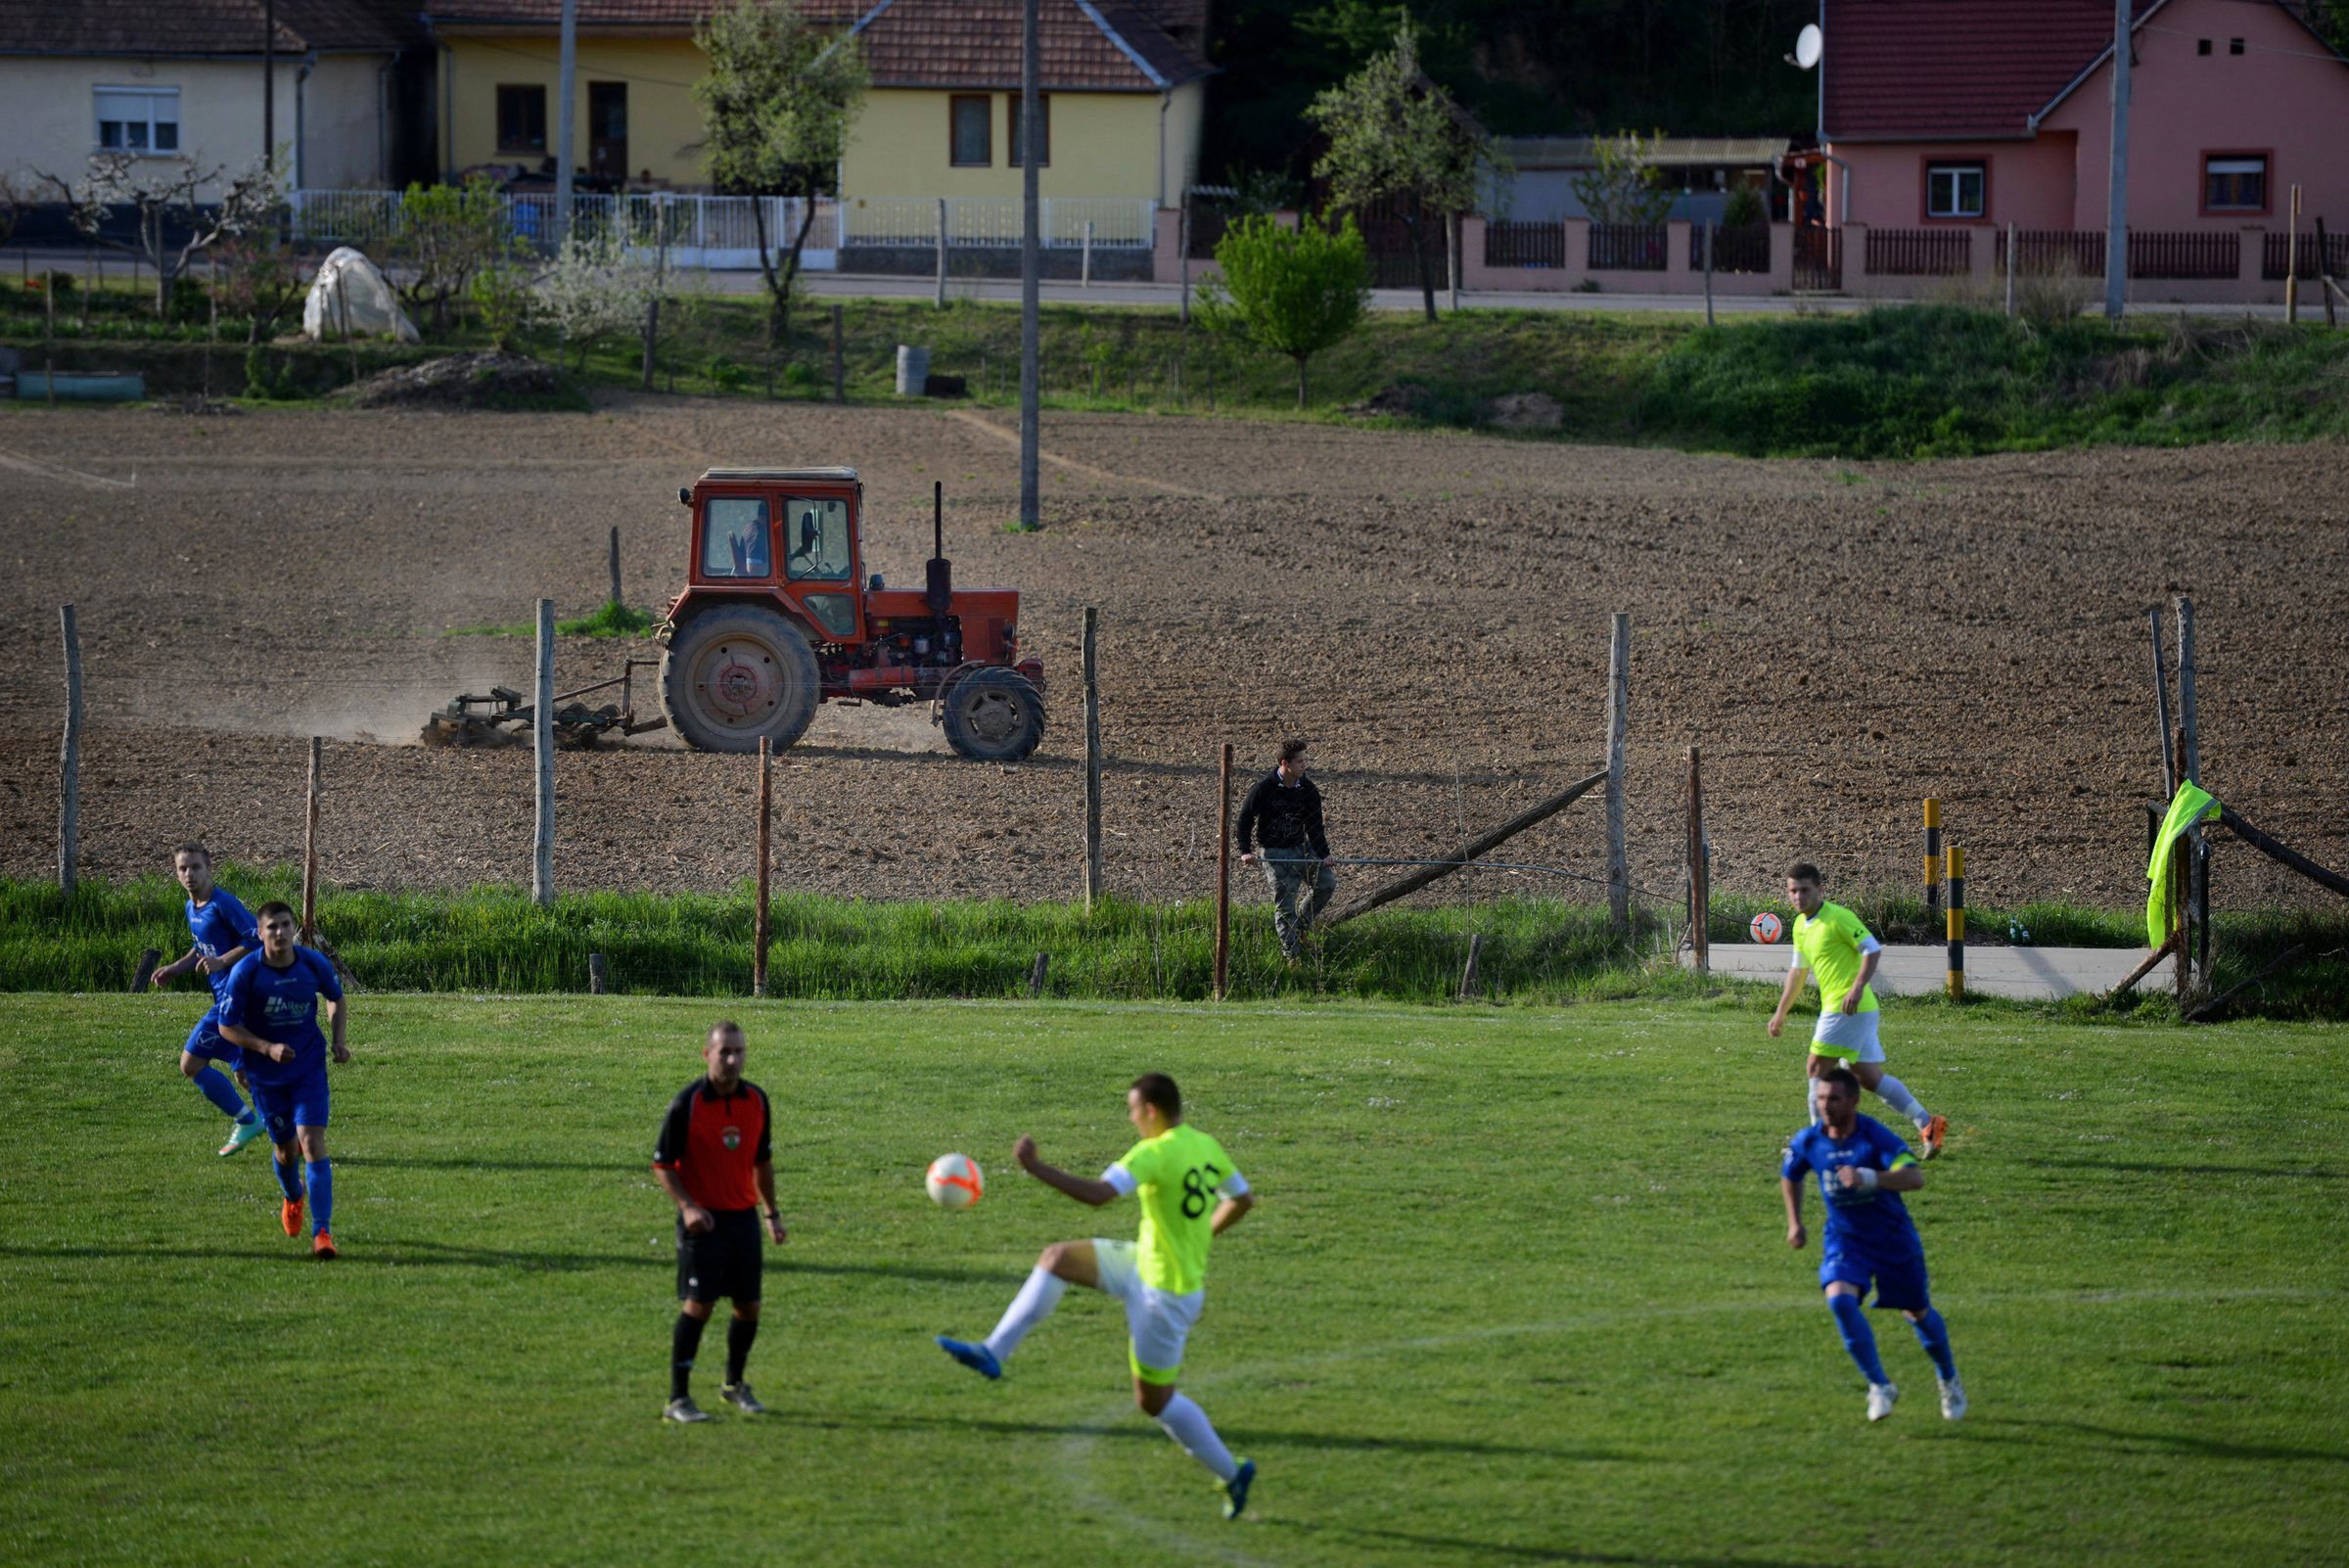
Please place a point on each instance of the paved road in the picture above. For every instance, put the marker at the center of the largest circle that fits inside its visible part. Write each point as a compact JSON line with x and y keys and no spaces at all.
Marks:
{"x":2038,"y":974}
{"x":838,"y":286}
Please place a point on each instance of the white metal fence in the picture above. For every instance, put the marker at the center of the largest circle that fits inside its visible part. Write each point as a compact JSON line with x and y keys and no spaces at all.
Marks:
{"x":1119,"y":222}
{"x":720,"y":232}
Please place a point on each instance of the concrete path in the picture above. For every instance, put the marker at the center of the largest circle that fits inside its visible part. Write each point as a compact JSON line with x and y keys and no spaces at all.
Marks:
{"x":2038,"y":974}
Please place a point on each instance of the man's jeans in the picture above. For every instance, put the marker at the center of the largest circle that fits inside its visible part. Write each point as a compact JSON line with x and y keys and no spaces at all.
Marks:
{"x":1288,"y":871}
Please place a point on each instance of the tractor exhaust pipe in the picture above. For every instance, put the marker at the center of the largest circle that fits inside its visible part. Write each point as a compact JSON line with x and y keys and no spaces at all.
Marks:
{"x":940,"y":570}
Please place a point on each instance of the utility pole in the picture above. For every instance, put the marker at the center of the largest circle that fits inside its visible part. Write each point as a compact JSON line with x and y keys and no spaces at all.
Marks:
{"x":1030,"y":262}
{"x":564,"y":95}
{"x":269,"y":83}
{"x":2116,"y":199}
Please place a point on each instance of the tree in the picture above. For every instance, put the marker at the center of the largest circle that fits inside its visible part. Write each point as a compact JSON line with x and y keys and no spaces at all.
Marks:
{"x":1396,"y":137}
{"x":443,"y":238}
{"x":1293,"y":290}
{"x":777,"y":101}
{"x":593,"y":290}
{"x":165,"y":194}
{"x":1623,"y":185}
{"x":256,"y":278}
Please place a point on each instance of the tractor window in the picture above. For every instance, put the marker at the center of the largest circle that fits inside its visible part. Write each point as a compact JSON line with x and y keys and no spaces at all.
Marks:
{"x":734,"y":537}
{"x":815,"y":540}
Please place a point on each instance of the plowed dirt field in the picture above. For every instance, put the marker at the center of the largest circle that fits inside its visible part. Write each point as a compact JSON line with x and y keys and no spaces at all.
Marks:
{"x":1841,"y":639}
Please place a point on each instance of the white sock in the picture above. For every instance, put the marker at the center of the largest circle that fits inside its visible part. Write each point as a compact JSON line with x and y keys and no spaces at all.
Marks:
{"x":1031,"y":1306}
{"x":1810,"y":1101}
{"x":1895,"y":1093}
{"x":1187,"y":1424}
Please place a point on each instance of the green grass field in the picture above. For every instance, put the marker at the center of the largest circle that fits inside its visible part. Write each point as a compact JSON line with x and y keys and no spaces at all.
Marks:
{"x":1517,"y":1291}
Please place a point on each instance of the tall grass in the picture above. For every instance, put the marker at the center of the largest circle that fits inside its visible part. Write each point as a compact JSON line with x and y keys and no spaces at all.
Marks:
{"x":1534,"y":950}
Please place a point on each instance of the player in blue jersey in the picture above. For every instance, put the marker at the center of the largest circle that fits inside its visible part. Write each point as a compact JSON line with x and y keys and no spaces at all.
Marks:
{"x":1863,"y":1166}
{"x":224,"y":933}
{"x":271,"y":1011}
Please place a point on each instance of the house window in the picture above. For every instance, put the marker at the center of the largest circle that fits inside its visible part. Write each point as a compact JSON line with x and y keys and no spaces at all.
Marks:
{"x":1956,"y":190}
{"x":2235,"y":184}
{"x":1043,"y":130}
{"x":138,"y":120}
{"x":522,"y":119}
{"x":969,"y":135}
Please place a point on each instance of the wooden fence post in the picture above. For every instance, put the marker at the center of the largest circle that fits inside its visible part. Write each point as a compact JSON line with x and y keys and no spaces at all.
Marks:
{"x":839,"y":358}
{"x":309,"y":846}
{"x":1956,"y":931}
{"x":2161,"y":704}
{"x":1476,"y":950}
{"x":1933,"y":864}
{"x":599,"y":975}
{"x":543,"y":739}
{"x":616,"y":562}
{"x":2190,"y":768}
{"x":1618,"y":866}
{"x":69,"y":763}
{"x":1223,"y":875}
{"x":1700,"y":868}
{"x":766,"y":773}
{"x":1092,"y":761}
{"x":144,"y":976}
{"x":2291,"y":263}
{"x":1037,"y":973}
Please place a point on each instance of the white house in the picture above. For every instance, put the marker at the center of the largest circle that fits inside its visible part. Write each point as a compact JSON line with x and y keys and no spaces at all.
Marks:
{"x":182,"y":79}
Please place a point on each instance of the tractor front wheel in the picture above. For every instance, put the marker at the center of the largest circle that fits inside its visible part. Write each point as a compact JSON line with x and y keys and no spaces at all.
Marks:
{"x":993,"y":716}
{"x":732,"y":677}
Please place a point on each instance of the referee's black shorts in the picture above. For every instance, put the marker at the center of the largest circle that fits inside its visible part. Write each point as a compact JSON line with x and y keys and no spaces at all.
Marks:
{"x":727,"y":1261}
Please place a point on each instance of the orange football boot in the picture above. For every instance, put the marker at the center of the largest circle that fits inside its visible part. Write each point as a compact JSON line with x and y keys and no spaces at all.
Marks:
{"x":290,"y":1216}
{"x":322,"y":1247}
{"x":1934,"y":1132}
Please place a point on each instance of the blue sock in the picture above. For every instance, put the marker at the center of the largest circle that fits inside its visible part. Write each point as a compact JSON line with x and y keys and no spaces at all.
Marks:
{"x":1860,"y":1340}
{"x":322,"y":1194}
{"x":1934,"y":1335}
{"x":289,"y":1179}
{"x":214,"y":1086}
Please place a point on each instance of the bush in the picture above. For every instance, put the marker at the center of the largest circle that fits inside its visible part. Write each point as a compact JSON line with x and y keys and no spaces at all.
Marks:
{"x":1293,"y":290}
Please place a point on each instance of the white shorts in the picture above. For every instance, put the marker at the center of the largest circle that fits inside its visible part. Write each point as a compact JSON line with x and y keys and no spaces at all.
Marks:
{"x":1156,"y":1322}
{"x":1852,"y":1036}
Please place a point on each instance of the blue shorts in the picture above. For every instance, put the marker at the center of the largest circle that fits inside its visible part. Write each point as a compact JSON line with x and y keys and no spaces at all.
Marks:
{"x":1900,"y":1280}
{"x":204,"y":1040}
{"x":287,"y":1106}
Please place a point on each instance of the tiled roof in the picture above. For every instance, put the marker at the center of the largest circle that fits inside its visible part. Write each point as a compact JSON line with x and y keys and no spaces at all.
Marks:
{"x":1085,"y":44}
{"x":1100,"y":45}
{"x":1919,"y":69}
{"x":201,"y":26}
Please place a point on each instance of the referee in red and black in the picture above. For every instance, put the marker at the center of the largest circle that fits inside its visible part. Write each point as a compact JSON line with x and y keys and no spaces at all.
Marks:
{"x":717,"y":1159}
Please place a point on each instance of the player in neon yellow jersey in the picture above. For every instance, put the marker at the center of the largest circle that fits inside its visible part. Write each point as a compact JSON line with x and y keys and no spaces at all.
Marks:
{"x":1191,"y":1194}
{"x":1831,"y":942}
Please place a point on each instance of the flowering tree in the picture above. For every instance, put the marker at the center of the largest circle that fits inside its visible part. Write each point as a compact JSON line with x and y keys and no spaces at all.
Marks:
{"x":165,"y":196}
{"x":592,"y":289}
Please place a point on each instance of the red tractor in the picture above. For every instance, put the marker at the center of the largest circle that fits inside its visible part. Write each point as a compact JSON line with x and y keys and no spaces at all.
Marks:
{"x":777,"y":616}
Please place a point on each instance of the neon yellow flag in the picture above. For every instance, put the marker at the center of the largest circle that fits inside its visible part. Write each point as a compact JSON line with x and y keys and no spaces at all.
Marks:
{"x":2192,"y":802}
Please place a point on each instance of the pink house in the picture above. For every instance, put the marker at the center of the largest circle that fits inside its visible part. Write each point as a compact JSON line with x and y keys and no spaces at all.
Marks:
{"x":1980,"y":113}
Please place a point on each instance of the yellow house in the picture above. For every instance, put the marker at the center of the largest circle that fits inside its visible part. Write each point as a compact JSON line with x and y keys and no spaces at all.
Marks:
{"x":1123,"y":85}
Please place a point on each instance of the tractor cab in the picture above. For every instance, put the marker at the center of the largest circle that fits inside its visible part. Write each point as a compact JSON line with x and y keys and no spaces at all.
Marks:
{"x":778,"y":615}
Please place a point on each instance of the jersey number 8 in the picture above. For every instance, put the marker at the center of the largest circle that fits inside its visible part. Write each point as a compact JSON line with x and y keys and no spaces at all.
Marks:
{"x":1197,"y":1193}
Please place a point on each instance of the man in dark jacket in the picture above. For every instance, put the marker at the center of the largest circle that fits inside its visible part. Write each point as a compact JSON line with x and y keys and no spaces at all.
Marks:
{"x":1283,"y":814}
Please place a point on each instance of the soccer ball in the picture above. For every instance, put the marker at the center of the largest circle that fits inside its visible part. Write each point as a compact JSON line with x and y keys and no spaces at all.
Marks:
{"x":1765,"y":927}
{"x":954,"y":1182}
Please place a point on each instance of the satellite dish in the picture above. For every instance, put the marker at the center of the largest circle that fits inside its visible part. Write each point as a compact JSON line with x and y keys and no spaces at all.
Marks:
{"x":1807,"y":45}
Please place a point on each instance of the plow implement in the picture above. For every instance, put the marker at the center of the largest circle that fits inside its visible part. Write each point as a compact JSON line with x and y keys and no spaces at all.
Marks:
{"x":503,"y":717}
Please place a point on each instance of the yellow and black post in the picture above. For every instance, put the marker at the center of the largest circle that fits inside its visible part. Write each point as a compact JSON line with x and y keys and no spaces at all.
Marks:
{"x":1956,"y":924}
{"x":1932,"y":861}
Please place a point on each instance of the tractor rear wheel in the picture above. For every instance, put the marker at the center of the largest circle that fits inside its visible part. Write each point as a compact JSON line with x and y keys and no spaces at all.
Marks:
{"x":731,"y":676}
{"x":993,"y":716}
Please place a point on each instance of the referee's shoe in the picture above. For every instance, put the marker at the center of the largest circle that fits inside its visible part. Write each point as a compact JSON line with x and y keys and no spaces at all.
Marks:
{"x":684,"y":1409}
